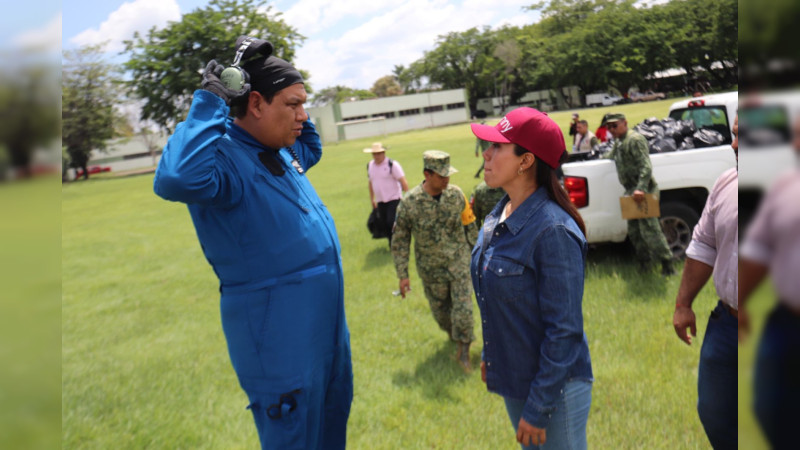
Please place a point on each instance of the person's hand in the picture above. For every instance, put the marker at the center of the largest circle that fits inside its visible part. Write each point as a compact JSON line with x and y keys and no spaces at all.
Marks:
{"x":483,"y":372}
{"x":683,"y":319}
{"x":744,"y":325}
{"x":374,"y":205}
{"x":213,"y":84}
{"x":638,"y":196}
{"x":405,"y":286}
{"x":528,"y":434}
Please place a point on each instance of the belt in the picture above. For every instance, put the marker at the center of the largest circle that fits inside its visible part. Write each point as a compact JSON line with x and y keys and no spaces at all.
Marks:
{"x":731,"y":310}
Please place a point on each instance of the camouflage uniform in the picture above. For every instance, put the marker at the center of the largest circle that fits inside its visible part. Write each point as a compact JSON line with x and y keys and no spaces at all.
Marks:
{"x":635,"y":172}
{"x":484,"y":200}
{"x":444,"y":232}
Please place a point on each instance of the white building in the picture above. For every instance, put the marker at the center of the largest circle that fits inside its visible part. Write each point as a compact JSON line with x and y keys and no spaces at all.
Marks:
{"x":380,"y":116}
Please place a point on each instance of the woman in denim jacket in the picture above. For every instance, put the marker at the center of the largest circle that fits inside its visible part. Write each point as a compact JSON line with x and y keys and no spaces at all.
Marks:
{"x":527,"y":270}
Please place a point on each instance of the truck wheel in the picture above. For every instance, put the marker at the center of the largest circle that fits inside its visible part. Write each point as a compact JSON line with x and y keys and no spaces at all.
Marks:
{"x":677,"y":222}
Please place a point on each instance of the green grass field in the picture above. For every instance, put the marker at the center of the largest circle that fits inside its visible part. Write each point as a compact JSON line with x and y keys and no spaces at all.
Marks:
{"x":144,"y":362}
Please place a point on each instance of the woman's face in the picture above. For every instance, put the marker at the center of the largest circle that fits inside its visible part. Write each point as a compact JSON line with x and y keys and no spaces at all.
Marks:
{"x":501,"y":164}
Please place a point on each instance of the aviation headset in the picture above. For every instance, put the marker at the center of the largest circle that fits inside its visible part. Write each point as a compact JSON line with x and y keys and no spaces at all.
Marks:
{"x":235,"y":77}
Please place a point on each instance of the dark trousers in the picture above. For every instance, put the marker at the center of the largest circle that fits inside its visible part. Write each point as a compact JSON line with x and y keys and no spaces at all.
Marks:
{"x":717,"y":379}
{"x":777,"y":378}
{"x":386,"y":213}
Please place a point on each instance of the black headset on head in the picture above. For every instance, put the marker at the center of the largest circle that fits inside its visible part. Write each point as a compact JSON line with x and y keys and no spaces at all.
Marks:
{"x":235,"y":77}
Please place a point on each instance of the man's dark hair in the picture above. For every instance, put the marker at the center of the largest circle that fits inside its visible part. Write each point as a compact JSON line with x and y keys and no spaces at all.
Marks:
{"x":584,"y":122}
{"x":239,"y":104}
{"x":428,"y":171}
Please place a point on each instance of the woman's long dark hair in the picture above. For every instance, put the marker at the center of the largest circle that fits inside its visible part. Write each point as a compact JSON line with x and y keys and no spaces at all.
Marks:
{"x":546,"y":177}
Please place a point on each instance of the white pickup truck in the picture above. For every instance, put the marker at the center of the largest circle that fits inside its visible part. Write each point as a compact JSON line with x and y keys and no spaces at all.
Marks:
{"x":684,"y":177}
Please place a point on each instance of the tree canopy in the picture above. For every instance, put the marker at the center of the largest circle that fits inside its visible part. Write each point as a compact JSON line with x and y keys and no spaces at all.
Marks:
{"x":592,"y":44}
{"x":89,"y":93}
{"x":166,"y":65}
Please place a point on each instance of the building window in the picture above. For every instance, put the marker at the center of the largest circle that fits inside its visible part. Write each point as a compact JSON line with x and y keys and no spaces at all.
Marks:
{"x":409,"y":112}
{"x":456,"y":106}
{"x":348,"y":119}
{"x":430,"y":109}
{"x":388,"y":115}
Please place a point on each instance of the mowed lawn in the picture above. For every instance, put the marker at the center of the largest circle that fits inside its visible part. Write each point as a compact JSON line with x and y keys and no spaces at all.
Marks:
{"x":144,"y":361}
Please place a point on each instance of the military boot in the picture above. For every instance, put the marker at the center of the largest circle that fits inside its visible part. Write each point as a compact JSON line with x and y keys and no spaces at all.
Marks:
{"x":462,"y":357}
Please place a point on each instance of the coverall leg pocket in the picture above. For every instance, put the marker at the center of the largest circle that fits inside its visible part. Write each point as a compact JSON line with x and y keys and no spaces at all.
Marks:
{"x":281,"y":417}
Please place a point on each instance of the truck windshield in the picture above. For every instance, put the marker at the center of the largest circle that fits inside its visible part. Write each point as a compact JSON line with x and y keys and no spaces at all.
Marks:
{"x":764,"y":126}
{"x":713,"y":117}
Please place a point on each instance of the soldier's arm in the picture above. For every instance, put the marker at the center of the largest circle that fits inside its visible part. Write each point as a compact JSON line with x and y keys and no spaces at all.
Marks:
{"x":401,"y":240}
{"x":468,"y":221}
{"x":641,"y":157}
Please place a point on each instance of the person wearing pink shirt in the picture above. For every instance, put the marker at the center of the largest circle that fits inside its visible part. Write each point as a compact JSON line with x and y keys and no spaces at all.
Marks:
{"x":772,"y":246}
{"x":714,"y":250}
{"x":387,"y":182}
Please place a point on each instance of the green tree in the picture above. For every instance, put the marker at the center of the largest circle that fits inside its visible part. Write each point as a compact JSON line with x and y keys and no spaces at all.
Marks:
{"x":386,"y":87}
{"x":87,"y":107}
{"x":461,"y":60}
{"x":339,"y":94}
{"x":166,"y":66}
{"x":28,"y":114}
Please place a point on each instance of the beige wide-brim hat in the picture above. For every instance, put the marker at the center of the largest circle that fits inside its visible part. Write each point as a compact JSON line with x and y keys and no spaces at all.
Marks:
{"x":377,"y":147}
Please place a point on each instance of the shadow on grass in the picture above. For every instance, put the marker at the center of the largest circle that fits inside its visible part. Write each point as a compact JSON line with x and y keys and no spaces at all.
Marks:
{"x":378,"y":257}
{"x":618,"y":260}
{"x":437,"y":375}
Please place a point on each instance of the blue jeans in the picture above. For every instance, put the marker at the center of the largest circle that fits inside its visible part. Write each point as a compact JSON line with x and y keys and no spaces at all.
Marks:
{"x":567,"y":428}
{"x":777,"y":378}
{"x":717,"y":380}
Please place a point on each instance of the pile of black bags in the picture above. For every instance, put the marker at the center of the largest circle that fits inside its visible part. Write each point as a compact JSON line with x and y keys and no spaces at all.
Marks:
{"x":669,"y":135}
{"x":666,"y":135}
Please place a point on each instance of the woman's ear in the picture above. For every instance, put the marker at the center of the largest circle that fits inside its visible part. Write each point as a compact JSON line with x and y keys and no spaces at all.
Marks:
{"x":528,"y":159}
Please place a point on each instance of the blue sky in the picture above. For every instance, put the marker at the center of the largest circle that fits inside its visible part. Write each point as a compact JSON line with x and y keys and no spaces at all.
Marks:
{"x":349,"y":42}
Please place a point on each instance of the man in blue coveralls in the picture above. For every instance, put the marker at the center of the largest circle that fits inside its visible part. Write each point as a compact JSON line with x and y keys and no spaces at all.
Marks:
{"x":272,"y":244}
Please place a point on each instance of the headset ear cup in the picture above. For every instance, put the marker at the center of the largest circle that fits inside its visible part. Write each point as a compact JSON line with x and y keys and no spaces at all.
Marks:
{"x":234,"y":78}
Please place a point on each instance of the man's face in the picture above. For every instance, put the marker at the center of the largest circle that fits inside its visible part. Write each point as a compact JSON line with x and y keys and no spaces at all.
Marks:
{"x":379,"y":157}
{"x":617,"y":128}
{"x":582,"y":129}
{"x":282,"y":120}
{"x":436,"y":183}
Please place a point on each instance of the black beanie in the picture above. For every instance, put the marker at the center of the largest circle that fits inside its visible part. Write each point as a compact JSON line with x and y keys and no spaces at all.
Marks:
{"x":271,"y":74}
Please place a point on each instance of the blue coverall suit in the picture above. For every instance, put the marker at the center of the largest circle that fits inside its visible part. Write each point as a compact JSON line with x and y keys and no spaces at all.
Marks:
{"x":273,"y":245}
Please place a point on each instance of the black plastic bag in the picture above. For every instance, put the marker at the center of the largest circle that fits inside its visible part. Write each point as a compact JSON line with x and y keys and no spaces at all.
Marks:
{"x":705,"y":137}
{"x":687,"y":144}
{"x":376,"y":226}
{"x":649,"y":132}
{"x":662,"y":145}
{"x":688,"y":127}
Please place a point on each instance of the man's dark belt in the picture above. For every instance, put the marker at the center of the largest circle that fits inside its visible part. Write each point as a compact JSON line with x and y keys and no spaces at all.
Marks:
{"x":731,"y":310}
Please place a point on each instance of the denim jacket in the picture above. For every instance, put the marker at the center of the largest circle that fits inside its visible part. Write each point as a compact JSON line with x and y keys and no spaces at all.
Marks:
{"x":528,"y":274}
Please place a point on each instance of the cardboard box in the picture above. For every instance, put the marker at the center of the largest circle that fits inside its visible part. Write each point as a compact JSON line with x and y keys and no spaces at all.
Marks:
{"x":632,"y":210}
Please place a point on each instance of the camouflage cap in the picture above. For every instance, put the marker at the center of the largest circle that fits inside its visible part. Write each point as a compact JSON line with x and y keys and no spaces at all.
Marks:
{"x":439,"y":162}
{"x":613,"y":117}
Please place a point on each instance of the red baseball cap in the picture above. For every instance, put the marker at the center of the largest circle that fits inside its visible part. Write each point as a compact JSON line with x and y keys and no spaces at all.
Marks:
{"x":531,"y":129}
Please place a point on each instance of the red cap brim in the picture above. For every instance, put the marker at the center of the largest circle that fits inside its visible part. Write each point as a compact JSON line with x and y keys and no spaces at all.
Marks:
{"x":488,"y":133}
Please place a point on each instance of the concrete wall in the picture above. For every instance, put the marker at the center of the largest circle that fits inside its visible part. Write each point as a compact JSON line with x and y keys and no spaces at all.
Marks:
{"x":402,"y":113}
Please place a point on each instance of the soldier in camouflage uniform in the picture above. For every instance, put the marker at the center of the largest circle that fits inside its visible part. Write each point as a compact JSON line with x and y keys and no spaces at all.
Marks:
{"x":631,"y":155}
{"x":484,"y":199}
{"x":440,"y":219}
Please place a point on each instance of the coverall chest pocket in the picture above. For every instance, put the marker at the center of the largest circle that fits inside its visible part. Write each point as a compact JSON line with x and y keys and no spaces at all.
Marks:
{"x":280,"y":411}
{"x":505,"y":279}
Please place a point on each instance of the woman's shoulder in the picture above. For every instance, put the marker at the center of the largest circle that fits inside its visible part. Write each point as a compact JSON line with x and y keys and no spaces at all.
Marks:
{"x":555,"y":219}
